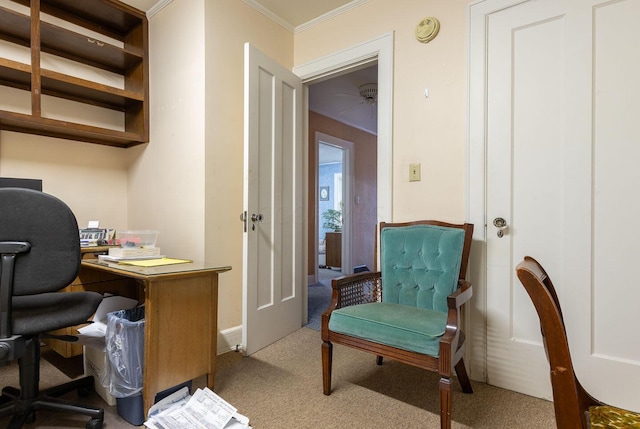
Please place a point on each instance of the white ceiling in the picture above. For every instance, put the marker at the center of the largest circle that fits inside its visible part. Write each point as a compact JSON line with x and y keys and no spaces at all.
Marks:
{"x":337,"y":98}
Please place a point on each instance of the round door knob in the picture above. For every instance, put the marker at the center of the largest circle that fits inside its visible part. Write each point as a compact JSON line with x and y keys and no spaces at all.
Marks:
{"x":499,"y":222}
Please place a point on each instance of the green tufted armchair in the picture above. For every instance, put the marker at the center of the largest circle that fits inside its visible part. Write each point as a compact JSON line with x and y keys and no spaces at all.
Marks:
{"x":415,"y":318}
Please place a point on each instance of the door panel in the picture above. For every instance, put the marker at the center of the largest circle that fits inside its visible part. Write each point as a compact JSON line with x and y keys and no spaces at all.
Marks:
{"x":273,"y":272}
{"x":616,"y":132}
{"x":562,"y":134}
{"x":525,"y":131}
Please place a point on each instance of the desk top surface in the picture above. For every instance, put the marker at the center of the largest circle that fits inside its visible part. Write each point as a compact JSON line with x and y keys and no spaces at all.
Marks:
{"x":152,"y":272}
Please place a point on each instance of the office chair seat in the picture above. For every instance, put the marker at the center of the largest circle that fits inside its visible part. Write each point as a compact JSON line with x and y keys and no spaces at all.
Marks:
{"x":33,"y":314}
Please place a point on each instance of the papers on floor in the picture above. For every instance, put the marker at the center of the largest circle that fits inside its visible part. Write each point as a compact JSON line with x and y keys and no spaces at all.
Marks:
{"x":203,"y":410}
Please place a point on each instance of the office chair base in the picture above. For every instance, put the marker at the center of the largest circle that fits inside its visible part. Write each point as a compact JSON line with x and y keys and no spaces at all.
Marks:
{"x":24,"y":409}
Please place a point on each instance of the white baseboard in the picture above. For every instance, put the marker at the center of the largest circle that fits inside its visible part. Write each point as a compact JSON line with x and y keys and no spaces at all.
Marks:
{"x":229,"y":339}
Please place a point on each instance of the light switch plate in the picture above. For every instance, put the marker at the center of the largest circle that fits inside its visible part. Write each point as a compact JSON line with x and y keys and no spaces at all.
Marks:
{"x":414,"y":172}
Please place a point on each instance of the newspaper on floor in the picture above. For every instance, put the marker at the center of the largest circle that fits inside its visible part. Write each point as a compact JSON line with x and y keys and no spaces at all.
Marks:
{"x":203,"y":410}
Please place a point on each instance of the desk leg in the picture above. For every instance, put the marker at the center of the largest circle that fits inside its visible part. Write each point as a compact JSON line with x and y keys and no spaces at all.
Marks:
{"x":213,"y":331}
{"x":180,"y":332}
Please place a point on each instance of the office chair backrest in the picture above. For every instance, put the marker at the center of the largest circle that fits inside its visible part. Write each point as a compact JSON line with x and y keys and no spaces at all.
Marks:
{"x":50,"y":227}
{"x":421,"y":262}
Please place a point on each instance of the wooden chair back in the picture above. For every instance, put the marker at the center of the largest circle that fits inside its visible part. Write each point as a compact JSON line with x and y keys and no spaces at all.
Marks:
{"x":571,"y":401}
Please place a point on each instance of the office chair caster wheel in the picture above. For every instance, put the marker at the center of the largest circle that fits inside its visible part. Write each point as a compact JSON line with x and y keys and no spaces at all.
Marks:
{"x":83,"y":392}
{"x":94,"y":424}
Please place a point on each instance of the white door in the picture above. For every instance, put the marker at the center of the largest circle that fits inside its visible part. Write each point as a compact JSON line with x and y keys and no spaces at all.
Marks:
{"x":563,"y":143}
{"x":273,"y":269}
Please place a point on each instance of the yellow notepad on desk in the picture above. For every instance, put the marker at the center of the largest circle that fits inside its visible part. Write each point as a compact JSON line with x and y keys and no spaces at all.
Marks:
{"x":155,"y":262}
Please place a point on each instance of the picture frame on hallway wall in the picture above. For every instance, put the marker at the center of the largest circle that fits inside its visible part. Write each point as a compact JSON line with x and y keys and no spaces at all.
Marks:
{"x":324,"y":193}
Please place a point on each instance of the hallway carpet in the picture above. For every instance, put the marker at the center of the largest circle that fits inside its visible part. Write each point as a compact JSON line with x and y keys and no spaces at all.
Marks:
{"x":319,"y":297}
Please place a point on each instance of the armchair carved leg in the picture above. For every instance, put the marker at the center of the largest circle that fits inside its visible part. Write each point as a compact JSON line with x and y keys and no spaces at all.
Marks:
{"x":445,"y":402}
{"x":327,"y":358}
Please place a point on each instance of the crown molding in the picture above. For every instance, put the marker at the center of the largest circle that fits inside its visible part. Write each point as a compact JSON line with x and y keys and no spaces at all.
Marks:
{"x":331,"y":14}
{"x":272,"y":16}
{"x":288,"y":26}
{"x":157,"y":7}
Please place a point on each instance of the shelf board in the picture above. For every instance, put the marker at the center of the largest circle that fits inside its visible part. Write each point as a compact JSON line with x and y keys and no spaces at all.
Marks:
{"x":111,"y":18}
{"x":84,"y":91}
{"x":77,"y":47}
{"x":69,"y":44}
{"x":29,"y":124}
{"x":15,"y":27}
{"x":15,"y":74}
{"x":18,"y":75}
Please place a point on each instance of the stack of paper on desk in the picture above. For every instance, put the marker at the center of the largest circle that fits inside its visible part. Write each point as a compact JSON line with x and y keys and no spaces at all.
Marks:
{"x":204,"y":409}
{"x":125,"y":253}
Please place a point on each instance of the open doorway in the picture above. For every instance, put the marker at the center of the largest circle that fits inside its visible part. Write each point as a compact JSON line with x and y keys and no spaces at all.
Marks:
{"x":330,"y":207}
{"x":343,"y":137}
{"x":379,"y":51}
{"x":334,"y":208}
{"x":343,"y":201}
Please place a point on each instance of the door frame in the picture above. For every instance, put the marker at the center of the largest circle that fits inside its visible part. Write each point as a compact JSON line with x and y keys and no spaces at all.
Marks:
{"x":476,"y":185}
{"x":379,"y":49}
{"x":347,"y":198}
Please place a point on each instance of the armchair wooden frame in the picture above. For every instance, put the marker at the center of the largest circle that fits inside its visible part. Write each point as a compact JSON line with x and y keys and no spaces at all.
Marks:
{"x":367,"y":287}
{"x":574,"y":407}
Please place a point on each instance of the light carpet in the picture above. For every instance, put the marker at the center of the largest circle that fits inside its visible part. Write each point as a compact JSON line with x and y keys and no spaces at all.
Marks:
{"x":281,"y":386}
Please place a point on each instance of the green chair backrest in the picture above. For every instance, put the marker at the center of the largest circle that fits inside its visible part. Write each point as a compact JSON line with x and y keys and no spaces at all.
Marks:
{"x":420,"y":264}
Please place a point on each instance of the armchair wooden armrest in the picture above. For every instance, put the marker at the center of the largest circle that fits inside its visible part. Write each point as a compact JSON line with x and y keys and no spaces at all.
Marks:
{"x":460,"y":295}
{"x":453,"y":338}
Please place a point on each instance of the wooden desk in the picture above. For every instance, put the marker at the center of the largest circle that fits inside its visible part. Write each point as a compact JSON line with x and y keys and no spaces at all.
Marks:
{"x":181,"y":318}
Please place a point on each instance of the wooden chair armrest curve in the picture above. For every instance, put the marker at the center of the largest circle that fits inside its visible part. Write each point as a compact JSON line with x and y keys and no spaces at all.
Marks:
{"x":460,"y":295}
{"x":454,"y":302}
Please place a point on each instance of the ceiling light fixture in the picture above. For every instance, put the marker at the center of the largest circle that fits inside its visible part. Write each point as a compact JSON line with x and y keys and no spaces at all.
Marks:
{"x":369,"y":92}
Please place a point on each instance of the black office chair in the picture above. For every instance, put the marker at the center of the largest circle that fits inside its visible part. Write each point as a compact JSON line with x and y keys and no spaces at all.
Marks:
{"x":40,"y":254}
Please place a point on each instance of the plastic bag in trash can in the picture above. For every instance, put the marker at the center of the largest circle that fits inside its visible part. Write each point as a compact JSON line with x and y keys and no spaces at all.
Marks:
{"x":124,"y":343}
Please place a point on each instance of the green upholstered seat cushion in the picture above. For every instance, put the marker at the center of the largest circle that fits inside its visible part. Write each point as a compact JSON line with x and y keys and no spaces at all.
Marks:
{"x":402,"y":326}
{"x":420,"y":264}
{"x":607,"y":417}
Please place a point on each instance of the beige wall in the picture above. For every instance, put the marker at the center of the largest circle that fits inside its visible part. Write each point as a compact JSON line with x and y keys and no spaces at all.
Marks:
{"x":166,"y":177}
{"x":91,"y":179}
{"x":229,"y":24}
{"x":427,"y":131}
